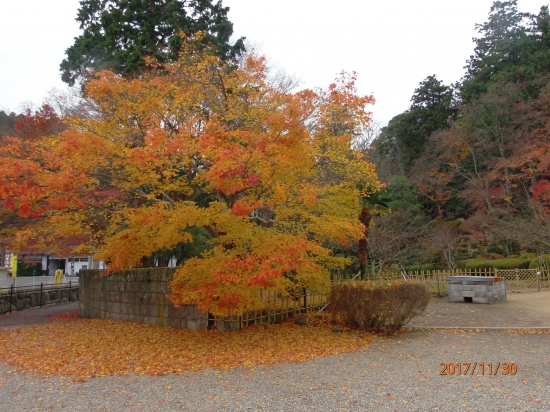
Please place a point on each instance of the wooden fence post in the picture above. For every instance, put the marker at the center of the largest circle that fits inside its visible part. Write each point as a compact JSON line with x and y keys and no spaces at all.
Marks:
{"x":517,"y":278}
{"x":11,"y":297}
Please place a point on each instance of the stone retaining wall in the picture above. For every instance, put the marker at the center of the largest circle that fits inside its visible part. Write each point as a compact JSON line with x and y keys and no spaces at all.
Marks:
{"x":137,"y":295}
{"x":20,"y":300}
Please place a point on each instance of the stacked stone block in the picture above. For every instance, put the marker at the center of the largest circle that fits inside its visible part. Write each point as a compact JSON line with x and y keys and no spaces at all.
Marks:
{"x":139,"y":296}
{"x":476,"y":289}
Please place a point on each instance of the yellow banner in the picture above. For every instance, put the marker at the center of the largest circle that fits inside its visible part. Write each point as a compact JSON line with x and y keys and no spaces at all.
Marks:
{"x":13,"y":266}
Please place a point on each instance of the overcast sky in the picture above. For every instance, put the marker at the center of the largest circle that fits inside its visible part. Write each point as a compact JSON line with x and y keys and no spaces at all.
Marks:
{"x":392,"y":44}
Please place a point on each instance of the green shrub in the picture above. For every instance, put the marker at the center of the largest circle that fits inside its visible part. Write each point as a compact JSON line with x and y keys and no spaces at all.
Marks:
{"x":494,"y":249}
{"x":512,"y":256}
{"x":386,"y":305}
{"x":505,"y":263}
{"x":528,"y":256}
{"x":535,"y":262}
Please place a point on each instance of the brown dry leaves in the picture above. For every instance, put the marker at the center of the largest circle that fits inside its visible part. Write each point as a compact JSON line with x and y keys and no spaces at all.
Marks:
{"x":97,"y":347}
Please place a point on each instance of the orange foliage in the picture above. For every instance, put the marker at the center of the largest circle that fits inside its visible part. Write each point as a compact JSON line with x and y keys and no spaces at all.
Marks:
{"x":88,"y":348}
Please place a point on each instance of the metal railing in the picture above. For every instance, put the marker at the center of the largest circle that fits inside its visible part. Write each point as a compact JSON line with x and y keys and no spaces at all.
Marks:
{"x":14,"y":298}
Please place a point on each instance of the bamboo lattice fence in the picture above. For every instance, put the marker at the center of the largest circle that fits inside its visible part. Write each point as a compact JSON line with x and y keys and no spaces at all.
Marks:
{"x":277,"y":308}
{"x":516,"y":279}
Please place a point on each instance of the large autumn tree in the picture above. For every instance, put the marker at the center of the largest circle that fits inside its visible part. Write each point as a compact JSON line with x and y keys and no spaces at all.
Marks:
{"x":271,"y":176}
{"x":119,"y":35}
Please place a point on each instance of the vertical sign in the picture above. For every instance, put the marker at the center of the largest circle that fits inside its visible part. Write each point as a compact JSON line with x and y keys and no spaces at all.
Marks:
{"x":13,"y":266}
{"x":72,"y":266}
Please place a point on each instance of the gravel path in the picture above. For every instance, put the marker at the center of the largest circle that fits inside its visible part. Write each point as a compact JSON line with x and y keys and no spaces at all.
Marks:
{"x":399,"y":373}
{"x":521,"y":310}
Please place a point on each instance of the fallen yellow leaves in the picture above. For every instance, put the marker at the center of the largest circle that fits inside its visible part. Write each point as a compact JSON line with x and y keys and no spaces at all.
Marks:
{"x":98,"y":347}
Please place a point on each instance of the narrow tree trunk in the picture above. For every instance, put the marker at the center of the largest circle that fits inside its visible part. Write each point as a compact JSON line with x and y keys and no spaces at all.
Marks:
{"x":146,"y":262}
{"x":364,"y":218}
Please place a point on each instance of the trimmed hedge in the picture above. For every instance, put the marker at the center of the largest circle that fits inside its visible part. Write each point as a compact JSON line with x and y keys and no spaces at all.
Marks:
{"x":386,"y":305}
{"x":505,"y":263}
{"x":420,"y":268}
{"x":528,"y":256}
{"x":535,"y":262}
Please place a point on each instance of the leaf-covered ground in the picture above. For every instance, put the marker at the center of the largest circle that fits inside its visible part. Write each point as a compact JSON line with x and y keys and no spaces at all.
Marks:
{"x":96,"y":347}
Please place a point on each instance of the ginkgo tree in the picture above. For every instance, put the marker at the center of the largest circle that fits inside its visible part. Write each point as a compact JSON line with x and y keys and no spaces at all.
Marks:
{"x":269,"y":173}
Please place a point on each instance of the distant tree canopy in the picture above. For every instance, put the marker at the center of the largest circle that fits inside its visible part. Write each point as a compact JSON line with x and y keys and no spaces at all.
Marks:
{"x":7,"y":122}
{"x":477,"y":153}
{"x":120,"y":34}
{"x":405,"y":136}
{"x":513,"y":46}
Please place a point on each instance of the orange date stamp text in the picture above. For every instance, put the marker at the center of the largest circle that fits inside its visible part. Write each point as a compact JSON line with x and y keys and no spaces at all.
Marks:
{"x":481,"y":368}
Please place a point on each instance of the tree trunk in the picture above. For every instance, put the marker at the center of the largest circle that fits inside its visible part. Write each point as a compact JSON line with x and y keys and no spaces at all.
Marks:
{"x":364,"y":218}
{"x":146,"y":262}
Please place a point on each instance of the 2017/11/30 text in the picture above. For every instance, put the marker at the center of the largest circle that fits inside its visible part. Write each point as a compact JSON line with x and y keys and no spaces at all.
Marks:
{"x":482,"y":368}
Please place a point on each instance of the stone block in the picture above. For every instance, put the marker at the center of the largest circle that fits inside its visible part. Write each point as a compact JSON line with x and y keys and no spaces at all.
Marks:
{"x":4,"y":307}
{"x":481,"y":300}
{"x":179,"y":323}
{"x":142,"y":310}
{"x":187,"y":311}
{"x":151,"y":287}
{"x":171,"y":311}
{"x":125,"y":309}
{"x":192,"y":324}
{"x":156,"y":298}
{"x":19,"y":304}
{"x":113,"y":307}
{"x":114,"y":315}
{"x":202,"y":324}
{"x":154,"y":310}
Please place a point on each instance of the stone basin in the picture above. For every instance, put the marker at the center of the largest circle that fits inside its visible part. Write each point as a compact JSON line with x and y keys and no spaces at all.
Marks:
{"x":476,"y":289}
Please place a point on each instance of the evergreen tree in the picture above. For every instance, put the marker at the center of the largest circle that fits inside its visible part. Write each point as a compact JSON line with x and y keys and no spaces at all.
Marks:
{"x":120,"y":34}
{"x":513,"y":46}
{"x":7,"y":122}
{"x":404,"y":138}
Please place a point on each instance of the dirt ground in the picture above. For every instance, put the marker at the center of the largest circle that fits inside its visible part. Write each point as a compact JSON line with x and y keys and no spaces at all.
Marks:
{"x":521,"y":310}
